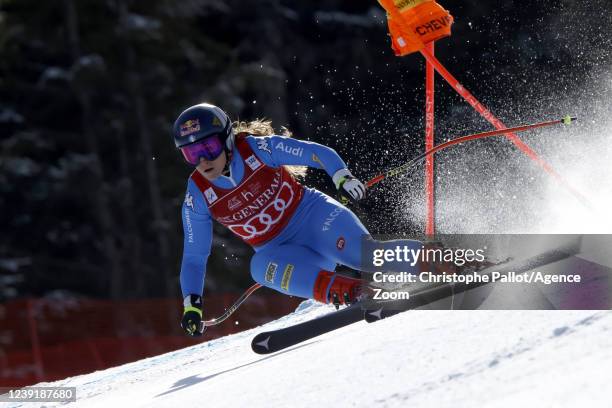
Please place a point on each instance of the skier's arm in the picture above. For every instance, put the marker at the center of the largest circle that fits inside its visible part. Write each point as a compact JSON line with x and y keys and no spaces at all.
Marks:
{"x":280,"y":150}
{"x":276,"y":151}
{"x":197,"y":229}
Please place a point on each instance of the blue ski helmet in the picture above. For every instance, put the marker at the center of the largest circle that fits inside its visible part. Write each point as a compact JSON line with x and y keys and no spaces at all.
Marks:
{"x":200,"y":122}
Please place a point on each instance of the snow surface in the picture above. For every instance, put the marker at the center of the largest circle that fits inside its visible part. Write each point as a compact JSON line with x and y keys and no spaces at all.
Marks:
{"x":421,"y":358}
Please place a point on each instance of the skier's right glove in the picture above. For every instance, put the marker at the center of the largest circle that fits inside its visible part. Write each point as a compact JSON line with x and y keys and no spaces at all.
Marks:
{"x":192,"y":316}
{"x":349,"y":187}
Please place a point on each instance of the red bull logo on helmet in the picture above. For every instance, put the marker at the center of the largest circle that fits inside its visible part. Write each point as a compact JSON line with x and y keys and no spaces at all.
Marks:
{"x":189,"y":127}
{"x":216,"y":122}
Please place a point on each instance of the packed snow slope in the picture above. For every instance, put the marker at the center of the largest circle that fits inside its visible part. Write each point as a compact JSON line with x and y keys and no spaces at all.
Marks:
{"x":421,"y":358}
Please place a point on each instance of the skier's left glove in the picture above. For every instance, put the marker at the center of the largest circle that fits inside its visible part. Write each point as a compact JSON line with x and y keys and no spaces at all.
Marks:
{"x":348,"y":186}
{"x":192,"y":316}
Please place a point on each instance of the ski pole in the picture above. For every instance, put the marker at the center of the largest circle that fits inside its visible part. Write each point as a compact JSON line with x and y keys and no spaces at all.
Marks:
{"x":232,"y":308}
{"x":405,"y":167}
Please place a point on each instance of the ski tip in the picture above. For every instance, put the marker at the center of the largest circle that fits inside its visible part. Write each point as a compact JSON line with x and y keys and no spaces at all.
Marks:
{"x":261,"y":343}
{"x":568,"y":119}
{"x":374,"y":315}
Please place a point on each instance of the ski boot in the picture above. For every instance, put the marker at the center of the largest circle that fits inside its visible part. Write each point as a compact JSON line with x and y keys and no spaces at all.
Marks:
{"x":331,"y":287}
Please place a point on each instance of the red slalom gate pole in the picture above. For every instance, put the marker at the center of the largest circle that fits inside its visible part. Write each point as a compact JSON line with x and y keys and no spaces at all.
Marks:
{"x":485,"y":113}
{"x":429,"y":144}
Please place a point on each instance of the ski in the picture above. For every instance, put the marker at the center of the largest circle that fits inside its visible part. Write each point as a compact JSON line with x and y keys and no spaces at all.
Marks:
{"x":275,"y":340}
{"x":377,"y":310}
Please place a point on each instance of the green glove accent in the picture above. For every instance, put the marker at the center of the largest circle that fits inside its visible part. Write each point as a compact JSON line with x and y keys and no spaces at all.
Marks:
{"x":192,"y":309}
{"x":341,"y":183}
{"x":344,"y":200}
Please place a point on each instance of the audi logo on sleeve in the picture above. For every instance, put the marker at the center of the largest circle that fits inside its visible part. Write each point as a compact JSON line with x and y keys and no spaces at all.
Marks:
{"x":258,"y":208}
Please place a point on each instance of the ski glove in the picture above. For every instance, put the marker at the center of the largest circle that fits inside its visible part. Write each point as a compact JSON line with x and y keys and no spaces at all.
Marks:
{"x":192,"y":316}
{"x":348,"y":186}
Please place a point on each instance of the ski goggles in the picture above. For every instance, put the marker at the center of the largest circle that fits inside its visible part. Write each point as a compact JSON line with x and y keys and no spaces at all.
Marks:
{"x":208,"y":149}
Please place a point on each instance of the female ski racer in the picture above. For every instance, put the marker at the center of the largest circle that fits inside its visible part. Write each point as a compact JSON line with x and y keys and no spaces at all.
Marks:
{"x":241,"y":180}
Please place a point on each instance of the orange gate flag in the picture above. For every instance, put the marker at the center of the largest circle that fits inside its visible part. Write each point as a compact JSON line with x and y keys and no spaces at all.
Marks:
{"x":426,"y":21}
